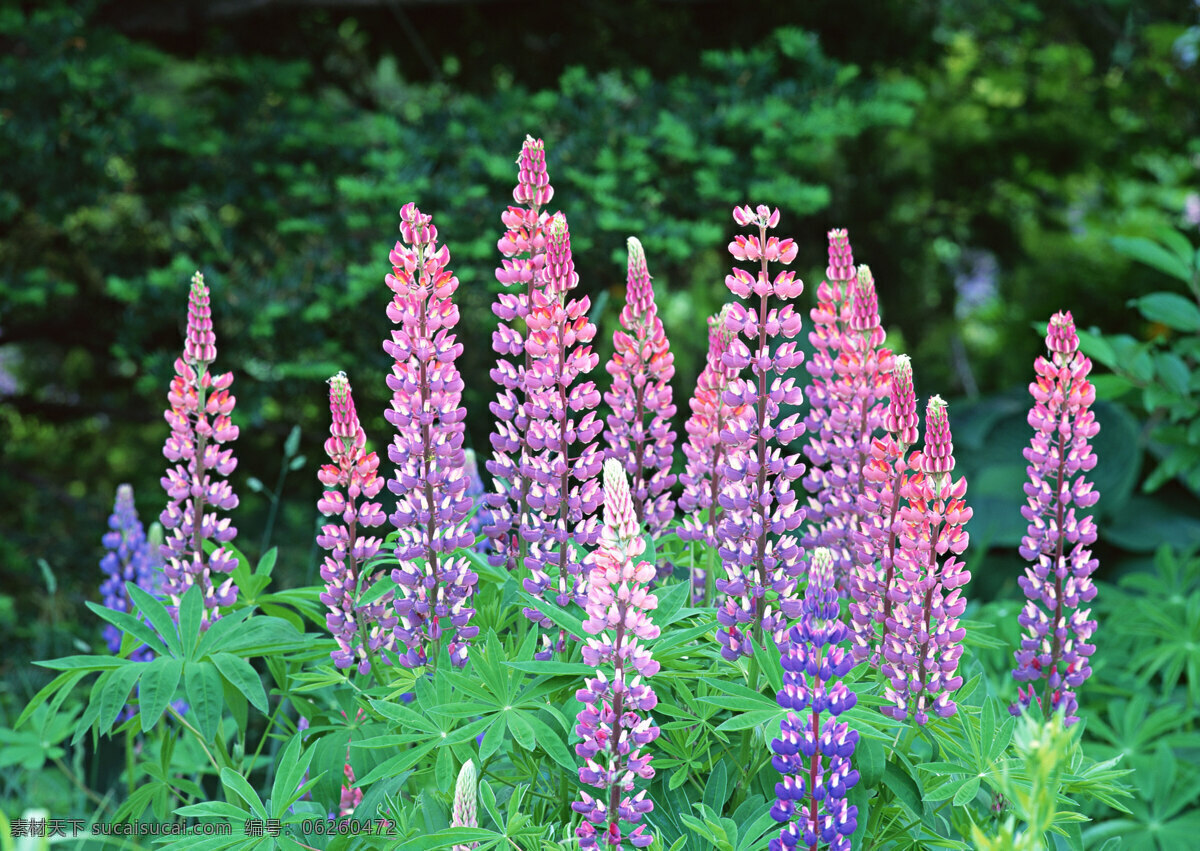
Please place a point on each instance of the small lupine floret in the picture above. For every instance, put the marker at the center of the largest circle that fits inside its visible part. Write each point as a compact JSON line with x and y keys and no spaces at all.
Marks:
{"x":1056,"y":646}
{"x":884,"y":476}
{"x":639,"y":433}
{"x":613,"y":724}
{"x":127,"y":558}
{"x":463,"y":812}
{"x":199,"y":416}
{"x":362,"y":631}
{"x":760,"y":510}
{"x":813,"y":750}
{"x":924,"y":641}
{"x":430,"y":481}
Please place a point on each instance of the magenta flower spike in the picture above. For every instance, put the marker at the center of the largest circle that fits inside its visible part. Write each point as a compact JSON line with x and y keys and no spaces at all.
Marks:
{"x":850,"y":371}
{"x":814,"y":748}
{"x":874,"y":572}
{"x":127,"y":558}
{"x":523,"y":246}
{"x":352,"y":481}
{"x":704,"y":451}
{"x":614,"y":724}
{"x":430,"y":481}
{"x":564,"y":466}
{"x":639,"y":433}
{"x":1056,"y":647}
{"x":199,"y":416}
{"x":923,"y":642}
{"x":758,"y":548}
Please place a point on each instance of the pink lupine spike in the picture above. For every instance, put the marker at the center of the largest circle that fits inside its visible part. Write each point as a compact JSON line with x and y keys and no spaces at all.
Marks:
{"x":639,"y":433}
{"x":1055,"y":646}
{"x":430,"y":482}
{"x":199,"y":416}
{"x":463,"y":812}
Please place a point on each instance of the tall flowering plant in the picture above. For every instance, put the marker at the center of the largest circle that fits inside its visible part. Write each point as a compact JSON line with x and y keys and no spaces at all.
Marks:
{"x":564,"y":490}
{"x":430,"y":482}
{"x":639,"y":433}
{"x":127,"y":558}
{"x":884,"y":476}
{"x":523,"y":247}
{"x":758,"y":548}
{"x":813,"y":750}
{"x":612,"y":724}
{"x":352,"y":481}
{"x":924,"y":641}
{"x":199,"y":411}
{"x":1055,"y":647}
{"x":850,"y":371}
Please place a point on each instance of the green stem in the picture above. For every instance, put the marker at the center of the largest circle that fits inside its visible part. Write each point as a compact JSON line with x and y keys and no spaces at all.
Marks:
{"x":199,"y":738}
{"x":129,"y":761}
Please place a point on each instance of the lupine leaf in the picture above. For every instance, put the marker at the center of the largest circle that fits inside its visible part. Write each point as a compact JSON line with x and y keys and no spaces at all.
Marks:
{"x":241,"y":787}
{"x":242,"y":676}
{"x":552,"y":744}
{"x":202,"y":684}
{"x":158,"y":616}
{"x":114,"y":694}
{"x":158,"y":686}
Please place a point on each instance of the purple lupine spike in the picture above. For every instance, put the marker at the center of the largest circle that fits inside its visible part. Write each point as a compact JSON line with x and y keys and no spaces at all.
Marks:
{"x":874,"y":572}
{"x":199,"y":416}
{"x":482,"y":518}
{"x":127,"y":558}
{"x":703,"y":477}
{"x":565,"y":462}
{"x":758,"y":548}
{"x":923,"y":642}
{"x":849,"y":371}
{"x":614,"y":723}
{"x":1056,"y":645}
{"x":352,"y":480}
{"x":430,"y":482}
{"x":814,"y":748}
{"x":524,"y":249}
{"x":639,"y":433}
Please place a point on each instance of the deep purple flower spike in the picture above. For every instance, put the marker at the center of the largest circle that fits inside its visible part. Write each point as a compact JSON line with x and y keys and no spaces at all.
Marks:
{"x":614,"y":724}
{"x":760,"y":510}
{"x":199,"y":416}
{"x":352,"y":482}
{"x":430,"y":481}
{"x":923,"y":642}
{"x":813,"y":750}
{"x":127,"y":558}
{"x":1055,"y":647}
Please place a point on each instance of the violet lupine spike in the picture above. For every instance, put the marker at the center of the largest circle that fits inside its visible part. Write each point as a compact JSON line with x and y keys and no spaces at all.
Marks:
{"x":524,"y":249}
{"x":923,"y":642}
{"x":1056,"y":647}
{"x":814,"y":748}
{"x":758,"y":548}
{"x":850,"y":379}
{"x":874,"y":572}
{"x":482,"y":518}
{"x":704,"y":451}
{"x":565,"y":461}
{"x":352,"y":480}
{"x":127,"y":558}
{"x":199,"y":416}
{"x":639,"y":433}
{"x":614,"y":724}
{"x":430,"y":481}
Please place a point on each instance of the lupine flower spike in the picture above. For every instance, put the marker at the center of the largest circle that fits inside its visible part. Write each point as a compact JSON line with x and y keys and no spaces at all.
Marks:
{"x":482,"y":518}
{"x":850,"y":378}
{"x":613,"y":724}
{"x":814,"y":748}
{"x":463,"y":813}
{"x":430,"y":482}
{"x":564,"y":466}
{"x":761,"y":513}
{"x":199,"y":416}
{"x":639,"y":433}
{"x":127,"y":558}
{"x":352,"y":481}
{"x":923,"y":642}
{"x":874,"y":573}
{"x":1056,"y":647}
{"x":524,"y":249}
{"x":703,"y":477}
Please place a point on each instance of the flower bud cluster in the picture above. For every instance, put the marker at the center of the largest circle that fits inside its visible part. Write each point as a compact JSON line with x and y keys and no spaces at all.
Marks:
{"x":430,"y":481}
{"x":199,"y":417}
{"x":1055,"y":647}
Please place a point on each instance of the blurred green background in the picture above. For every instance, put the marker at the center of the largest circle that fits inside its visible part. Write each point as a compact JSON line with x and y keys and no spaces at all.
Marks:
{"x":993,"y":160}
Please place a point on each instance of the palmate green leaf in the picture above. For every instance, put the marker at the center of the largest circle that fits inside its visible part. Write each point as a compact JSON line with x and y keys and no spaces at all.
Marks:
{"x":560,"y":616}
{"x":1154,"y":255}
{"x":716,"y":790}
{"x":521,"y":729}
{"x":87,"y":664}
{"x":221,"y":632}
{"x":750,"y":719}
{"x":158,"y":686}
{"x":113,"y":690}
{"x":61,"y":687}
{"x":551,"y":668}
{"x":157,"y":614}
{"x":242,"y":676}
{"x":191,"y":611}
{"x":1170,"y":309}
{"x":127,"y":623}
{"x":202,"y":685}
{"x":904,"y":788}
{"x":293,"y":764}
